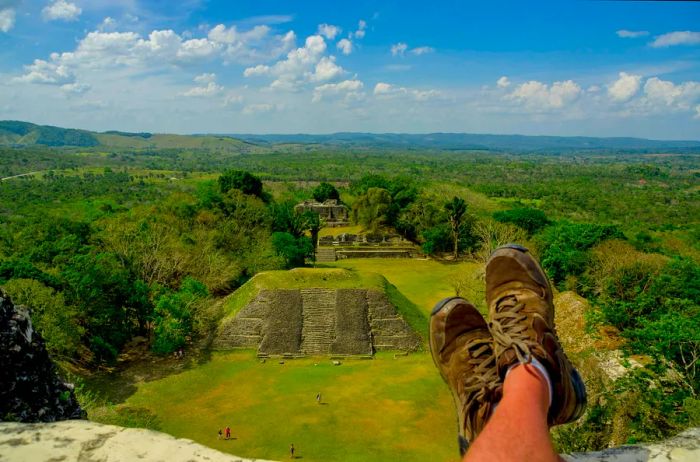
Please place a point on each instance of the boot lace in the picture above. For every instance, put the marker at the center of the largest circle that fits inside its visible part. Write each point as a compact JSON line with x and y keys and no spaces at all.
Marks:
{"x":509,"y":330}
{"x":481,"y":382}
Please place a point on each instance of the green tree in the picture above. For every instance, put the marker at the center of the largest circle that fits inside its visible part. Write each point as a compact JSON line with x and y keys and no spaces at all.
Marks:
{"x":531,"y":220}
{"x":325,"y":191}
{"x":294,"y":250}
{"x":371,"y":208}
{"x":456,"y":209}
{"x":57,"y":322}
{"x":173,"y":315}
{"x":241,"y":180}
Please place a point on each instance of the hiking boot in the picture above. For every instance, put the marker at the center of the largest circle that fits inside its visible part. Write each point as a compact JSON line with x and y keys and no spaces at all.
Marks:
{"x":462,"y":350}
{"x":519,"y":297}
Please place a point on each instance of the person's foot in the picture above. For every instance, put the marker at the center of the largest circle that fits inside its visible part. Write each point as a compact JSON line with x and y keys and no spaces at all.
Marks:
{"x":462,"y":349}
{"x":519,"y":297}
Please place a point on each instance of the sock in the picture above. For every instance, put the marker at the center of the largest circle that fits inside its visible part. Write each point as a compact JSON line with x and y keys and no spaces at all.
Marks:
{"x":543,"y":372}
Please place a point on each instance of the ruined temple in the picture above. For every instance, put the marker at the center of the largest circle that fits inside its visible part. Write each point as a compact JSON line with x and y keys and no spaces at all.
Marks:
{"x":318,"y":321}
{"x":330,"y":211}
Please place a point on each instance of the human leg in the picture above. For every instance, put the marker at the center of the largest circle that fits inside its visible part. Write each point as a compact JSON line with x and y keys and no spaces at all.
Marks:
{"x":517,"y":430}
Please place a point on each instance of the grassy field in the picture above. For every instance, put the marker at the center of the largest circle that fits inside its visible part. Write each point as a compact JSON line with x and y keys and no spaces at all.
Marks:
{"x":373,"y":410}
{"x":424,"y":282}
{"x":389,"y":408}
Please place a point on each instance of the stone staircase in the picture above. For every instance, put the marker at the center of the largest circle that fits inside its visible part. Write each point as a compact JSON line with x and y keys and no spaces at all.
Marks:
{"x":325,"y":254}
{"x":318,"y":314}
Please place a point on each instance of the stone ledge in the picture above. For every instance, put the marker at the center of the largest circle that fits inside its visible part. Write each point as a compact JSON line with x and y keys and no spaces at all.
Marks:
{"x":684,"y":447}
{"x":90,"y":441}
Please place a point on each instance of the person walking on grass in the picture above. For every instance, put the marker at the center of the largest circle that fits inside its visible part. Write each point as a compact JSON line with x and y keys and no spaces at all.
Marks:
{"x":291,"y":451}
{"x":510,"y":378}
{"x":318,"y":398}
{"x":220,"y":434}
{"x":228,"y":433}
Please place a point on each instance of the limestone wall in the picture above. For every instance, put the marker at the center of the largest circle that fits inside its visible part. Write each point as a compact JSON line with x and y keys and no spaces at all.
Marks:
{"x":80,"y":440}
{"x":315,"y":321}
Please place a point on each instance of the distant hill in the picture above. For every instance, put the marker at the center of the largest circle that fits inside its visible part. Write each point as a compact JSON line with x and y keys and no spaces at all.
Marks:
{"x":467,"y":141}
{"x":16,"y":133}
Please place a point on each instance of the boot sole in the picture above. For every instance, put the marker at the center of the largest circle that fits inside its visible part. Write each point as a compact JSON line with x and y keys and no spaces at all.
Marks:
{"x":462,"y":442}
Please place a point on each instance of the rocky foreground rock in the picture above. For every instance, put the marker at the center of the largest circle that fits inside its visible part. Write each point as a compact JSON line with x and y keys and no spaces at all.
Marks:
{"x":89,"y":441}
{"x":30,"y":388}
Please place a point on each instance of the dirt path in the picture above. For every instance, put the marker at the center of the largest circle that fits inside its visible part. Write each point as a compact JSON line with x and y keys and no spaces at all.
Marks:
{"x":17,"y":176}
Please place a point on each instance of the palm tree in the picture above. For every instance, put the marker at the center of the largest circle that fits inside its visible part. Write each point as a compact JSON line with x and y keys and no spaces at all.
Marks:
{"x":456,"y":209}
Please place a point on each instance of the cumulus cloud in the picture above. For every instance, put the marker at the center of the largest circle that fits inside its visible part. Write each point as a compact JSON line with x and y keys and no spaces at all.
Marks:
{"x":345,"y":46}
{"x":624,"y":33}
{"x":663,"y":93}
{"x":625,"y":87}
{"x":422,"y":50}
{"x":540,"y":96}
{"x":301,"y":65}
{"x":75,"y":88}
{"x":161,"y":48}
{"x":347,"y":88}
{"x":7,"y":19}
{"x":398,"y":49}
{"x":207,"y":88}
{"x":697,"y":112}
{"x":360,"y":32}
{"x":386,"y":90}
{"x":326,"y":69}
{"x":329,"y":31}
{"x":61,"y":10}
{"x":676,"y":38}
{"x":503,"y":82}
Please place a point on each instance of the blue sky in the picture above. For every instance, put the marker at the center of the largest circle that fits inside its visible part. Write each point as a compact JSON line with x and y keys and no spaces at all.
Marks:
{"x":597,"y":68}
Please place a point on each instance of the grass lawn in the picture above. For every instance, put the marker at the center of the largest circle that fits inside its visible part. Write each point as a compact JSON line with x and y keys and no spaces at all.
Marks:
{"x":373,"y":410}
{"x":424,"y":282}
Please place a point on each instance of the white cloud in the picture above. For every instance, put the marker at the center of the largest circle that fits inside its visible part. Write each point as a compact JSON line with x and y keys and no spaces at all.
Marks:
{"x":301,"y":65}
{"x":659,"y":93}
{"x":260,"y":69}
{"x":258,"y":108}
{"x":7,"y":19}
{"x":539,"y":96}
{"x":398,"y":49}
{"x":624,"y":33}
{"x":207,"y":86}
{"x":41,"y":71}
{"x":625,"y":87}
{"x":386,"y":90}
{"x":107,"y":24}
{"x":360,"y":32}
{"x":75,"y":88}
{"x":61,"y":10}
{"x":326,"y":69}
{"x":593,"y":89}
{"x":422,"y":50}
{"x":697,"y":112}
{"x":676,"y":38}
{"x":210,"y":89}
{"x":503,"y":82}
{"x":160,"y":49}
{"x":347,"y":88}
{"x":329,"y":31}
{"x":345,"y":46}
{"x":205,"y":78}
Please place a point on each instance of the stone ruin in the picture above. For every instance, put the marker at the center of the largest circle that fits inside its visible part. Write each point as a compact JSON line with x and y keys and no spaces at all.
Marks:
{"x":30,"y":388}
{"x":314,"y":321}
{"x":346,"y":245}
{"x":330,"y":211}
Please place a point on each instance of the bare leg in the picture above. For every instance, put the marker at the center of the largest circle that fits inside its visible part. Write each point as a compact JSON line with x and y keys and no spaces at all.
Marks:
{"x":517,"y":431}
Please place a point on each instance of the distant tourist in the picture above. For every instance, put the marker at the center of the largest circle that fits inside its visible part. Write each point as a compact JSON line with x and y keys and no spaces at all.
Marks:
{"x":221,"y":433}
{"x":291,"y":450}
{"x":228,"y":433}
{"x":318,"y":398}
